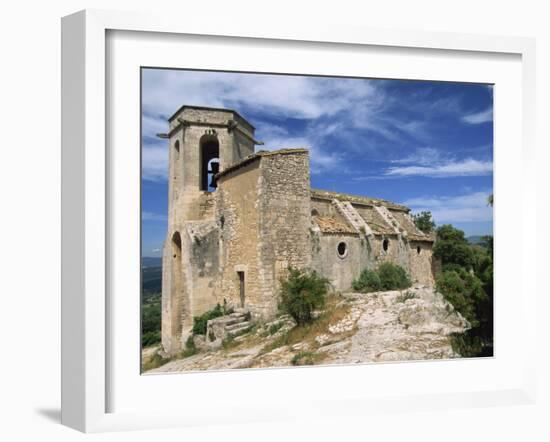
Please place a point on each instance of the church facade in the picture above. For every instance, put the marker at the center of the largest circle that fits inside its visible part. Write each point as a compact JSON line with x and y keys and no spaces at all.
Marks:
{"x":239,"y":218}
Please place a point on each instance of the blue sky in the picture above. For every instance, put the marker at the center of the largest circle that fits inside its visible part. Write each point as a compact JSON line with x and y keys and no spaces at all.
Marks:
{"x":428,"y":145}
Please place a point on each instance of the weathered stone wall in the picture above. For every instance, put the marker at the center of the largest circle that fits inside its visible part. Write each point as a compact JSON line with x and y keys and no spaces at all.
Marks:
{"x":238,"y":218}
{"x":340,"y":270}
{"x":324,"y":208}
{"x":285,"y":220}
{"x":420,"y":261}
{"x":203,"y":261}
{"x":190,"y":277}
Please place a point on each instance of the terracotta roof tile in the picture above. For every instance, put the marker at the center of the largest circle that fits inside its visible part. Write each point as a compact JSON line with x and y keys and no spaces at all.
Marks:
{"x":332,"y":225}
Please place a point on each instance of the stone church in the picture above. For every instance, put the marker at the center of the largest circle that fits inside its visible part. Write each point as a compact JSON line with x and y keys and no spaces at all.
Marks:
{"x":238,"y":218}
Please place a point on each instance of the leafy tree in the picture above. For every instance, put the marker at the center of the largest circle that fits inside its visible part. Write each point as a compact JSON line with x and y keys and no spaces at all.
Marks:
{"x":302,"y":293}
{"x":465,"y":291}
{"x":424,"y":221}
{"x":452,"y":247}
{"x":150,"y":320}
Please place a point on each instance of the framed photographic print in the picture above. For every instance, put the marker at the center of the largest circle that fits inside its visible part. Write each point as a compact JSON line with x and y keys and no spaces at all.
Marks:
{"x":251,"y":214}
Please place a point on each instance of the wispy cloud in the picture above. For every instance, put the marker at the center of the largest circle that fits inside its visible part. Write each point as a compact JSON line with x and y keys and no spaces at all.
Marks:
{"x":471,"y":207}
{"x":461,"y":168}
{"x":154,"y":162}
{"x":422,"y":156}
{"x":485,"y":116}
{"x":432,"y":163}
{"x":276,"y":137}
{"x":289,"y":96}
{"x":150,"y":216}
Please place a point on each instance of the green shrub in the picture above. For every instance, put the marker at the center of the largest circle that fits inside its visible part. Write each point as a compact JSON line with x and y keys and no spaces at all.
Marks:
{"x":393,"y":277}
{"x":388,"y":276}
{"x":301,"y":293}
{"x":150,"y":338}
{"x":190,"y":348}
{"x":303,"y":358}
{"x":405,"y":296}
{"x":368,"y":281}
{"x":200,"y":322}
{"x":274,"y":328}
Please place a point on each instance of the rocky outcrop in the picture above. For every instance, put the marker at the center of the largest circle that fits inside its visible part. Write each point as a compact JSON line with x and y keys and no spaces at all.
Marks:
{"x":412,"y":324}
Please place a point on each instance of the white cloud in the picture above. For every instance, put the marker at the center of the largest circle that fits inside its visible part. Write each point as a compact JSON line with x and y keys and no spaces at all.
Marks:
{"x":485,"y":116}
{"x":154,"y":162}
{"x":276,"y":137}
{"x":470,"y":207}
{"x":467,"y":167}
{"x":289,"y":96}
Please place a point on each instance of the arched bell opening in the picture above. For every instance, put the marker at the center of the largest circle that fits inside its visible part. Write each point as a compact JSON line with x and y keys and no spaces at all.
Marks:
{"x":209,"y":162}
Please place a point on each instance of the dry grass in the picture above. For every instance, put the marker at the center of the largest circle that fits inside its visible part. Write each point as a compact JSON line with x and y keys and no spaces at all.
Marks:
{"x":153,"y":361}
{"x":335,"y":311}
{"x":308,"y":358}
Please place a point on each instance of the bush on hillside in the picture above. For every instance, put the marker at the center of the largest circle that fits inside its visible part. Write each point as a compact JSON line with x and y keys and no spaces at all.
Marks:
{"x":302,"y":292}
{"x":393,"y":277}
{"x":200,"y":322}
{"x":368,"y":281}
{"x":388,"y":276}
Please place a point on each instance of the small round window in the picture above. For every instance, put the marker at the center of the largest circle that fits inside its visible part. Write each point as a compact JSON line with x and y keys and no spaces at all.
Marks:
{"x":386,"y":245}
{"x":342,"y":249}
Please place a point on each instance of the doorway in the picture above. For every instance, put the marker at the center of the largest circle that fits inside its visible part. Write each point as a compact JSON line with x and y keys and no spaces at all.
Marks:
{"x":241,"y":287}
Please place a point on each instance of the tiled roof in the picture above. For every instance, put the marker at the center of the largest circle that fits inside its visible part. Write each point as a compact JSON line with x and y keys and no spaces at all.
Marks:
{"x":407,"y":224}
{"x":332,"y":225}
{"x":356,"y":199}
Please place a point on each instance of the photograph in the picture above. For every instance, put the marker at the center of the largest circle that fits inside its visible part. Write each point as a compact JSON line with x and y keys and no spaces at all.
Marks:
{"x":300,"y":220}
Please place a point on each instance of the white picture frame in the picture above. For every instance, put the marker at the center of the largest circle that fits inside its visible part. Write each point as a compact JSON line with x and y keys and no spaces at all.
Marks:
{"x":87,"y":205}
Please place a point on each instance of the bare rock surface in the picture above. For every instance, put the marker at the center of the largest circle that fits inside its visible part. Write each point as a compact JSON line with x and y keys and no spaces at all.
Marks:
{"x":412,"y":324}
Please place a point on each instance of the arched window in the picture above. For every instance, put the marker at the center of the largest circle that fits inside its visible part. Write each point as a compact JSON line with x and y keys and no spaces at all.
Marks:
{"x":386,"y":244}
{"x":418,"y":250}
{"x":314,"y":212}
{"x":177,"y":148}
{"x":209,"y":162}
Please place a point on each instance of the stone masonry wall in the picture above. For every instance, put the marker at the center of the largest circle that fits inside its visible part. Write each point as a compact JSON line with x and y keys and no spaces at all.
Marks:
{"x":285,"y":220}
{"x":238,"y":218}
{"x":421,"y":268}
{"x":340,"y":270}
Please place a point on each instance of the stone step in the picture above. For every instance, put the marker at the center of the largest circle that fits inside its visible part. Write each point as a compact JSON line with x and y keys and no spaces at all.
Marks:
{"x":237,"y":325}
{"x":228,"y":320}
{"x":237,"y":331}
{"x":238,"y":314}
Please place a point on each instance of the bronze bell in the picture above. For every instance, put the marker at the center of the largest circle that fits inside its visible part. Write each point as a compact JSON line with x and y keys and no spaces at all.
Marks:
{"x":214,"y":169}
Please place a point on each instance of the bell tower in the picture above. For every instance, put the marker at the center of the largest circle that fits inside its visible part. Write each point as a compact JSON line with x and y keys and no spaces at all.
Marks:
{"x":203,"y":141}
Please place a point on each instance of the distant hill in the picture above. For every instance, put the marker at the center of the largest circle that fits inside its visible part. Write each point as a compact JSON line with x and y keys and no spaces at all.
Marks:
{"x":151,"y":261}
{"x":474,"y":239}
{"x":151,"y":277}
